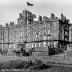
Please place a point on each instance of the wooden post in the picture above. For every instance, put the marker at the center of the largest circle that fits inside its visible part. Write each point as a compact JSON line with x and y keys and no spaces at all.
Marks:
{"x":64,"y":55}
{"x":8,"y":38}
{"x":2,"y":39}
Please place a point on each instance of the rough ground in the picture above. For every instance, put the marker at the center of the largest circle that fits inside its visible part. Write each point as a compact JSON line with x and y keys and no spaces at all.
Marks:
{"x":24,"y":66}
{"x":57,"y":63}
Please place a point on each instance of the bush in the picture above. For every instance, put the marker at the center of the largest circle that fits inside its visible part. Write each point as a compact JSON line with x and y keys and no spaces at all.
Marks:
{"x":16,"y":64}
{"x":11,"y":64}
{"x":38,"y":62}
{"x":40,"y":67}
{"x":19,"y":64}
{"x":6,"y":65}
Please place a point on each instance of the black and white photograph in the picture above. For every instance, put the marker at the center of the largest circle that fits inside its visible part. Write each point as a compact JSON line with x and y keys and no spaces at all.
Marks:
{"x":35,"y":35}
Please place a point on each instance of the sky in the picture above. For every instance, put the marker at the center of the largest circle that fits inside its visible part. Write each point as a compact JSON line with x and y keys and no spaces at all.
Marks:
{"x":10,"y":9}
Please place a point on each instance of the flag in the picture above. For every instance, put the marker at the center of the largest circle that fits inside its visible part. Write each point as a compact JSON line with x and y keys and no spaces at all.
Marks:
{"x":29,"y":4}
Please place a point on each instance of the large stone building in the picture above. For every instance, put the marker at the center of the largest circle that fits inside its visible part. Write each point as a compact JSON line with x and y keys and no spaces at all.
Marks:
{"x":42,"y":35}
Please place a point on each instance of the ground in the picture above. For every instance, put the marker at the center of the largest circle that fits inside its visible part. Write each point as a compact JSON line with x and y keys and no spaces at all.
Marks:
{"x":61,"y":58}
{"x":60,"y":62}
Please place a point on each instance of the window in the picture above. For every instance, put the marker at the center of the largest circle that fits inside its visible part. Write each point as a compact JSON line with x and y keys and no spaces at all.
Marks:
{"x":70,"y":33}
{"x":39,"y":44}
{"x":27,"y":45}
{"x":54,"y":36}
{"x":21,"y":39}
{"x":35,"y":38}
{"x":48,"y":43}
{"x":33,"y":33}
{"x":32,"y":45}
{"x":2,"y":41}
{"x":39,"y":32}
{"x":49,"y":25}
{"x":66,"y":33}
{"x":9,"y":46}
{"x":35,"y":44}
{"x":10,"y":36}
{"x":45,"y":25}
{"x":28,"y":34}
{"x":2,"y":36}
{"x":36,"y":35}
{"x":54,"y":44}
{"x":14,"y":45}
{"x":44,"y":43}
{"x":21,"y":34}
{"x":49,"y":31}
{"x":48,"y":37}
{"x":2,"y":31}
{"x":70,"y":38}
{"x":51,"y":44}
{"x":44,"y":37}
{"x":2,"y":46}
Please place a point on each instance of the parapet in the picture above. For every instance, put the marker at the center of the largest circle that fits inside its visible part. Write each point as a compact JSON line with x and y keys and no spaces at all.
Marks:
{"x":40,"y":19}
{"x":27,"y":17}
{"x":63,"y":19}
{"x":52,"y":16}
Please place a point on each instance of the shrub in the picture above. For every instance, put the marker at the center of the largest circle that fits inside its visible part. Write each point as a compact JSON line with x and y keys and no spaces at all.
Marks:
{"x":38,"y":62}
{"x":16,"y":64}
{"x":19,"y":64}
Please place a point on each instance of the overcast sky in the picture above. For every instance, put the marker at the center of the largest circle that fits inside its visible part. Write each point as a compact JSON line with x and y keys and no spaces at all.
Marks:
{"x":10,"y":9}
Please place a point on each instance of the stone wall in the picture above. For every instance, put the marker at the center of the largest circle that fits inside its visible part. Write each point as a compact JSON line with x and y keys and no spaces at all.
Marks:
{"x":41,"y":34}
{"x":70,"y":33}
